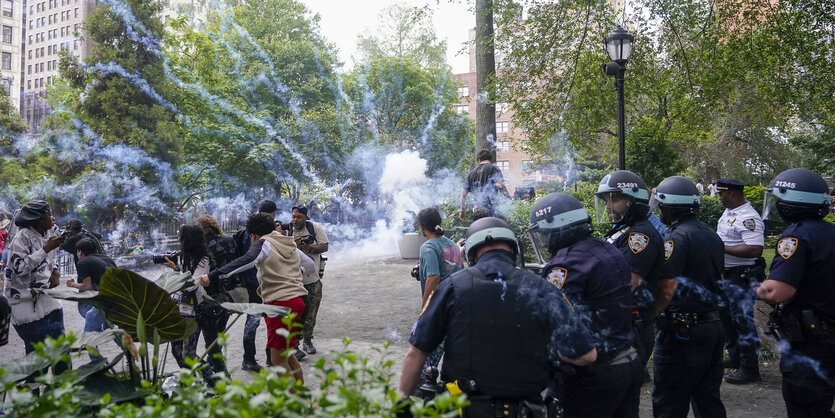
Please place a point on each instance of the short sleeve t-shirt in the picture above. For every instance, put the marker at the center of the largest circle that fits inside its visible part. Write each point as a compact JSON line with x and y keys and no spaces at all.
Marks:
{"x":481,"y":182}
{"x":439,"y":257}
{"x":94,"y":266}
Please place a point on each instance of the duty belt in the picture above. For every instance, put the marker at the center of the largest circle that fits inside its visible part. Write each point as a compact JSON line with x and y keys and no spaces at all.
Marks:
{"x":618,"y":358}
{"x":692,"y":318}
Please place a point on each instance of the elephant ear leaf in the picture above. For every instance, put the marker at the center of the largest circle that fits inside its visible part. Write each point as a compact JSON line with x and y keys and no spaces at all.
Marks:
{"x":257,"y":309}
{"x":172,"y":281}
{"x":125,"y":294}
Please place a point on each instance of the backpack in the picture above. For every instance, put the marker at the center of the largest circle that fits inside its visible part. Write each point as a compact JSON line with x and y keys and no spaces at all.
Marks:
{"x":310,"y":230}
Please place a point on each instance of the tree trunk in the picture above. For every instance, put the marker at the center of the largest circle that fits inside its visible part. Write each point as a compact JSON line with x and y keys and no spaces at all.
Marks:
{"x":485,"y":64}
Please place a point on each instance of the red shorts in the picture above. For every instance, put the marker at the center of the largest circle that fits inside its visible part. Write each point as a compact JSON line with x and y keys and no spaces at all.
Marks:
{"x":274,"y":340}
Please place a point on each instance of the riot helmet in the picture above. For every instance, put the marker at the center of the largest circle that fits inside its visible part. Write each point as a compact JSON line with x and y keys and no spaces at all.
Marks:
{"x":795,"y":195}
{"x":557,"y":221}
{"x":621,"y":198}
{"x":485,"y":231}
{"x":676,"y":197}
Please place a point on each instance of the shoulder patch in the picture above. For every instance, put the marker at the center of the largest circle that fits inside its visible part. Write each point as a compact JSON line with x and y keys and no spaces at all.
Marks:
{"x":749,"y":224}
{"x":557,"y":276}
{"x":786,"y":247}
{"x":668,"y":249}
{"x":637,"y":242}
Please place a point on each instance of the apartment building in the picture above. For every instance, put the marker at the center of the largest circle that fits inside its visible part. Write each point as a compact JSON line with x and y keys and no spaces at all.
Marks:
{"x":11,"y":24}
{"x":49,"y":27}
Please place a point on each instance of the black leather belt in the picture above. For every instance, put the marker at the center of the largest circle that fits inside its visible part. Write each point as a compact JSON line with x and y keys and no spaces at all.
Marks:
{"x":692,"y":317}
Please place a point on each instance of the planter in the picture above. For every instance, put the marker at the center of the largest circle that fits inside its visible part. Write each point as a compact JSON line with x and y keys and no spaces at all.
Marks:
{"x":410,"y":245}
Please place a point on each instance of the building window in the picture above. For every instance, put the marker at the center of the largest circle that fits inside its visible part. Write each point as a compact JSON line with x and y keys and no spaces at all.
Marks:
{"x":462,"y":109}
{"x":76,"y":11}
{"x":29,"y":69}
{"x":503,"y":146}
{"x":8,"y":8}
{"x":49,"y":80}
{"x":7,"y":34}
{"x":7,"y":60}
{"x":503,"y":165}
{"x":463,"y":91}
{"x":502,"y":127}
{"x":30,"y":54}
{"x":28,"y":87}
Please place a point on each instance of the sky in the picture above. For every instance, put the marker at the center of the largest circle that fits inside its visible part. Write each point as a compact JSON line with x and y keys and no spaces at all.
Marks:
{"x":342,"y":20}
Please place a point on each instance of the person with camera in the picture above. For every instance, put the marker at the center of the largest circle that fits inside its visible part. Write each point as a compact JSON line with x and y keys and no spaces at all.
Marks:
{"x":488,"y":315}
{"x":311,"y":239}
{"x":35,"y":316}
{"x":75,"y":232}
{"x":277,"y":260}
{"x":801,"y":278}
{"x":196,"y":259}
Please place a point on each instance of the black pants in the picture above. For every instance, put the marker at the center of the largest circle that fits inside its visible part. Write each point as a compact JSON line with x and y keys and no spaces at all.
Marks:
{"x":644,"y":331}
{"x":688,"y":371}
{"x":807,"y":394}
{"x":603,"y":390}
{"x":211,"y":326}
{"x":742,"y":340}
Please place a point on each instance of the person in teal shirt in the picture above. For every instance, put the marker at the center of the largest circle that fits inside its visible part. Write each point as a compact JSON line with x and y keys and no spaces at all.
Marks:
{"x":439,"y":255}
{"x":439,"y":258}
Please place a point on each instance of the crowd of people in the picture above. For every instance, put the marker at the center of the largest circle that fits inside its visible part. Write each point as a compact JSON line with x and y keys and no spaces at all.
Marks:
{"x":583,"y":331}
{"x":266,"y":262}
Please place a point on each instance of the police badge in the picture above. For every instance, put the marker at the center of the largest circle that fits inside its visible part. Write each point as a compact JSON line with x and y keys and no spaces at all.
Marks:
{"x":668,"y":249}
{"x":786,"y":247}
{"x":637,"y":242}
{"x":557,"y":276}
{"x":749,"y":224}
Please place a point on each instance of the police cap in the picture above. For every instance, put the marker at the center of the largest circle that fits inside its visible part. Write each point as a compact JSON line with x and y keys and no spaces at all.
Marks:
{"x":729,"y":185}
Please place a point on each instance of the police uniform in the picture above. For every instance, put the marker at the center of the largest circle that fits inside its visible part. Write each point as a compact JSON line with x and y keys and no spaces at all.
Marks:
{"x":741,"y":226}
{"x":687,"y":362}
{"x":493,"y":313}
{"x":643,"y":248}
{"x":595,"y":277}
{"x":805,"y":259}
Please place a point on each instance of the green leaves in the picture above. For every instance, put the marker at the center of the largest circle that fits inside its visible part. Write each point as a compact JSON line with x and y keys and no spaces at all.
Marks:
{"x":127,"y":296}
{"x":257,"y":309}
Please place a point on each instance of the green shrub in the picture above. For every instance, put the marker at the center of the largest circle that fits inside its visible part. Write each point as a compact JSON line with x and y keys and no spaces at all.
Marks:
{"x":350,"y":384}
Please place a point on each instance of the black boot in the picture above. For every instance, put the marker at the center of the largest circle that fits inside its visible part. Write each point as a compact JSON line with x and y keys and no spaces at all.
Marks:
{"x":249,"y":363}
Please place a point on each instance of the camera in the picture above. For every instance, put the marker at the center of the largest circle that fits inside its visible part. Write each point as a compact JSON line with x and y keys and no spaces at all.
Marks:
{"x":307,"y":239}
{"x":171,"y":255}
{"x":285,"y":227}
{"x":64,"y":233}
{"x":416,"y":271}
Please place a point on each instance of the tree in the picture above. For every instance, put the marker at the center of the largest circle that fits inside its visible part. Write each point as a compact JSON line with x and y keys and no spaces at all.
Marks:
{"x":485,"y":64}
{"x":405,"y":32}
{"x":729,"y":83}
{"x":11,"y":124}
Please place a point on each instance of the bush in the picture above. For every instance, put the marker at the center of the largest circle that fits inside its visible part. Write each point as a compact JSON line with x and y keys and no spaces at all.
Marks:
{"x":351,"y":384}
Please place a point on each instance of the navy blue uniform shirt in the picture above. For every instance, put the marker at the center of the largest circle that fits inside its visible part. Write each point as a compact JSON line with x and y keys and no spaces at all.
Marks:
{"x":643,"y":248}
{"x":805,"y":259}
{"x":596,"y":278}
{"x":695,"y":256}
{"x":501,"y":330}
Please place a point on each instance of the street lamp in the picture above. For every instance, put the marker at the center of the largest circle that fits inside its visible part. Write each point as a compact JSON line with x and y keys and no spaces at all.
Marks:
{"x":619,"y":46}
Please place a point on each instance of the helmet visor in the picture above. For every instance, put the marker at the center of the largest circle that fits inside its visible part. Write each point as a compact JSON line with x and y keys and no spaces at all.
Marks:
{"x":539,"y":239}
{"x":770,"y":212}
{"x":611,"y":207}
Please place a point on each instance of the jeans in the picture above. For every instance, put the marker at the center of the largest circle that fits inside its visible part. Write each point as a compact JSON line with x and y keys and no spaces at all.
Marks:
{"x":52,"y":325}
{"x":93,"y":322}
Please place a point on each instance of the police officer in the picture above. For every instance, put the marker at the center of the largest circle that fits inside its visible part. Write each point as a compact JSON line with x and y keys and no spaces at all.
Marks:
{"x":622,"y":199}
{"x":595,"y":277}
{"x":687,"y":362}
{"x":801,"y":277}
{"x":488,"y":313}
{"x":741,"y":229}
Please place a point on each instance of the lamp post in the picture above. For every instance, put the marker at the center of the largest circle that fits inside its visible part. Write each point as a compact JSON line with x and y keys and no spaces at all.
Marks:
{"x":619,"y":46}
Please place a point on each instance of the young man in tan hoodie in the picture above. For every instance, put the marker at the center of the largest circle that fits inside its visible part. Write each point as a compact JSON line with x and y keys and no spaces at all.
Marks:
{"x":279,"y":275}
